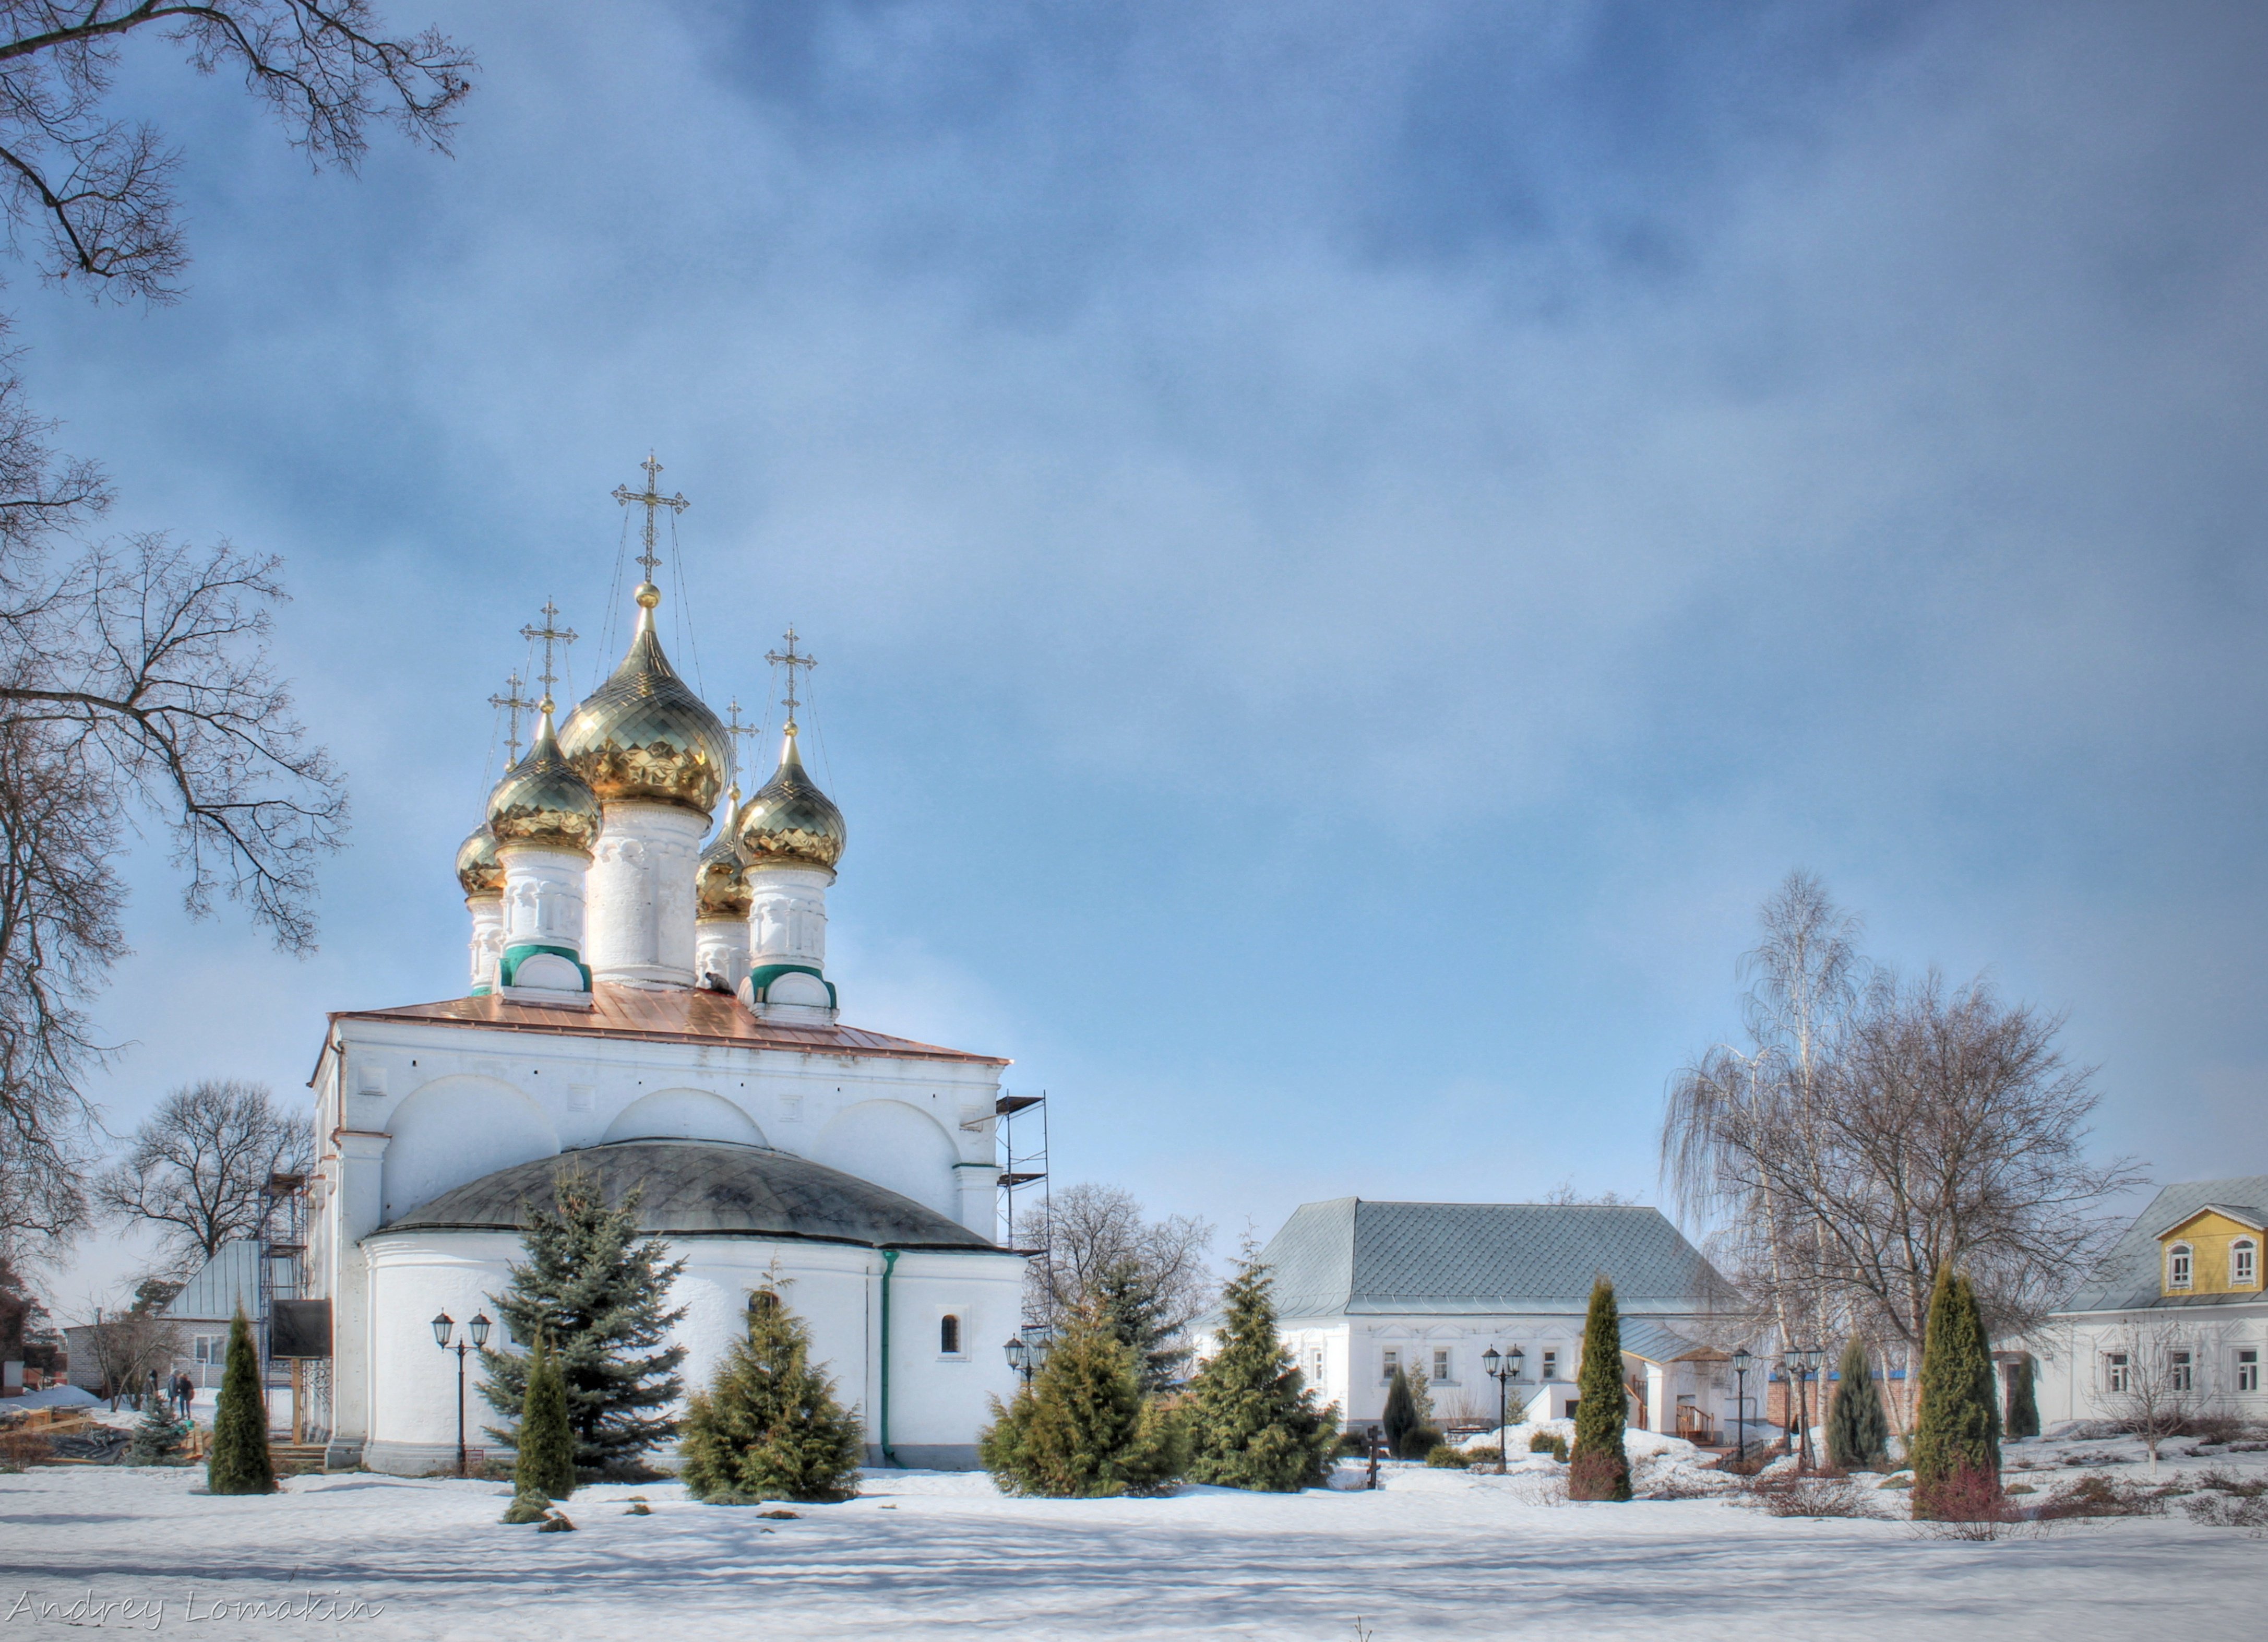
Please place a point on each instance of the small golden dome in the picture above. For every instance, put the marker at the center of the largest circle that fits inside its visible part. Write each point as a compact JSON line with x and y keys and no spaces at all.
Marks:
{"x":718,"y":887}
{"x":478,"y":870}
{"x":543,"y":801}
{"x":643,"y":733}
{"x":790,"y":821}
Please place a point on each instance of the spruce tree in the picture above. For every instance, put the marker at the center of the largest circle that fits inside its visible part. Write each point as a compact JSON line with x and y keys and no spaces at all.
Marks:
{"x":1127,"y":1299}
{"x":2023,"y":1400}
{"x":157,"y":1437}
{"x":1956,"y":1440}
{"x":598,"y":1294}
{"x":1858,"y":1426}
{"x":546,"y":1466}
{"x":1597,"y":1468}
{"x":1250,"y":1419}
{"x":1082,"y":1429}
{"x":769,"y":1427}
{"x":1400,"y":1416}
{"x":239,"y":1462}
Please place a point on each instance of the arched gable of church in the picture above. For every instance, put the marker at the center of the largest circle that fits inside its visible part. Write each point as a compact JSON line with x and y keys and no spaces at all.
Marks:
{"x":684,"y":1115}
{"x":895,"y":1145}
{"x":455,"y":1130}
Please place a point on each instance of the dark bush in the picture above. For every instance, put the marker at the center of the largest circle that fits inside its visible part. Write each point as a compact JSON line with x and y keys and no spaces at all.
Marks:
{"x":1443,"y":1457}
{"x":1417,"y":1442}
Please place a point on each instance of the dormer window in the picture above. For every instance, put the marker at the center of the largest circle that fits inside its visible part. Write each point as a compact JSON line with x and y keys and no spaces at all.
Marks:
{"x":2243,"y":1264}
{"x":2177,"y":1266}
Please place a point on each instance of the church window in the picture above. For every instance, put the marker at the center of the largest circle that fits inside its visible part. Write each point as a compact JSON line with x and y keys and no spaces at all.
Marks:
{"x":2244,"y":1261}
{"x":2177,"y":1266}
{"x":948,"y":1335}
{"x":2118,"y":1372}
{"x":2248,"y":1369}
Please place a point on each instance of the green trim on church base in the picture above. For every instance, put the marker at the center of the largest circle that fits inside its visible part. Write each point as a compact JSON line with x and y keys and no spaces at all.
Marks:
{"x":760,"y":979}
{"x":508,"y":966}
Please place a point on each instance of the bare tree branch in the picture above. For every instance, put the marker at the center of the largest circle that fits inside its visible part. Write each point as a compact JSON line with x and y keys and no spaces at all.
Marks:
{"x":198,"y":1166}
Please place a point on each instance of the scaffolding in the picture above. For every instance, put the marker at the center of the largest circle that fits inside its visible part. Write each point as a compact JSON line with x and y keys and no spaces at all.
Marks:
{"x":282,"y":1242}
{"x":1019,"y":1169}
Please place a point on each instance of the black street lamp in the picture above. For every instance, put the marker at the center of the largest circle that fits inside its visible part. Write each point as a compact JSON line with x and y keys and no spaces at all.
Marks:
{"x":1741,"y":1401}
{"x":444,"y":1327}
{"x":1801,"y":1359}
{"x":1503,"y":1371}
{"x":1028,"y":1351}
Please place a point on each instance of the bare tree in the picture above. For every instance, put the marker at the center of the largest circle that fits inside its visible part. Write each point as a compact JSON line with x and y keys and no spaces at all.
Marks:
{"x":1088,"y":1234}
{"x":1870,"y":1136}
{"x":198,"y":1166}
{"x":2149,"y":1384}
{"x":127,"y":1346}
{"x":135,"y":684}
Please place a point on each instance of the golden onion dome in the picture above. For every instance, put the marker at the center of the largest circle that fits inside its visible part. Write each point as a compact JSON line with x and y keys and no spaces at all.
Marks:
{"x":543,"y":801}
{"x":478,"y":870}
{"x":643,"y":733}
{"x":790,"y":822}
{"x":719,"y":888}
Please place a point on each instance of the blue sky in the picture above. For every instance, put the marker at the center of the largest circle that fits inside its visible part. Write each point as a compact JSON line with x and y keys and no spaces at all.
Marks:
{"x":1350,"y":546}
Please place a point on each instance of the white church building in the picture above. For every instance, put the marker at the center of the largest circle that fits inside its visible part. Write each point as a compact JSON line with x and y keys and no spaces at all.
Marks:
{"x":655,"y":1011}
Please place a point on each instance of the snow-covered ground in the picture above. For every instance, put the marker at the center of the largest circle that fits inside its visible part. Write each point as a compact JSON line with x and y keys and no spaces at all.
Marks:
{"x":1433,"y":1553}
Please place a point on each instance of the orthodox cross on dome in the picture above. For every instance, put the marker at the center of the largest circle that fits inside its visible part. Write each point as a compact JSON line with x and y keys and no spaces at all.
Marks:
{"x":734,"y":728}
{"x":550,"y":633}
{"x":651,"y":499}
{"x":514,"y":704}
{"x":791,"y":661}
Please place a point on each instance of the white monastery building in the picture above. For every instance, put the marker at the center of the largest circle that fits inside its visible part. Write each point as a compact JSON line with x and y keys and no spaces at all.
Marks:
{"x":1363,"y":1288}
{"x":648,"y":1003}
{"x":2176,"y":1314}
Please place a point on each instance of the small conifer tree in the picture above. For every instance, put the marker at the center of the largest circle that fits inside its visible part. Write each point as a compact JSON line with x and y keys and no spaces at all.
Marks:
{"x":238,"y":1462}
{"x":1127,"y":1300}
{"x":1858,"y":1426}
{"x":1400,"y":1416}
{"x":768,"y":1428}
{"x":1956,"y":1440}
{"x":2023,"y":1399}
{"x":1597,"y":1468}
{"x":598,"y":1294}
{"x":546,"y":1465}
{"x":1250,"y":1419}
{"x":1081,"y":1428}
{"x":158,"y":1437}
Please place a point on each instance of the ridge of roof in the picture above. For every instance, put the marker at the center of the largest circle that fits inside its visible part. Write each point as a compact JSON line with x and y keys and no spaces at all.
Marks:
{"x":670,"y":1015}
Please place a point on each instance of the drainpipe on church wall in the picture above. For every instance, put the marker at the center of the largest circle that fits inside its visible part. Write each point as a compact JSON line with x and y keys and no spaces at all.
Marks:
{"x":882,"y":1434}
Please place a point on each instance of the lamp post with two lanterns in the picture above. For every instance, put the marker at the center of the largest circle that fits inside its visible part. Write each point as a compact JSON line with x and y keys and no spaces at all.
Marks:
{"x":444,"y":1327}
{"x":1801,"y":1360}
{"x":1027,"y":1356}
{"x":1503,"y":1371}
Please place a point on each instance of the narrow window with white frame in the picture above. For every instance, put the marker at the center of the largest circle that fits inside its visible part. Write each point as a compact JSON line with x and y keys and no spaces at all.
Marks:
{"x":2177,"y":1266}
{"x":2243,"y":1264}
{"x":2181,"y":1368}
{"x":1389,"y":1361}
{"x":1551,"y":1370}
{"x":2118,"y":1372}
{"x":948,"y":1335}
{"x":1442,"y":1364}
{"x":2248,"y":1368}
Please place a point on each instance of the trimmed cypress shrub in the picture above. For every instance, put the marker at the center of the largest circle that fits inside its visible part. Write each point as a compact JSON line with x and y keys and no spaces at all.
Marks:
{"x":1400,"y":1418}
{"x":2023,"y":1400}
{"x":1956,"y":1441}
{"x":768,"y":1428}
{"x":1081,"y":1428}
{"x":238,"y":1462}
{"x":545,"y":1469}
{"x":1597,"y":1468}
{"x":1858,"y":1426}
{"x":1250,"y":1418}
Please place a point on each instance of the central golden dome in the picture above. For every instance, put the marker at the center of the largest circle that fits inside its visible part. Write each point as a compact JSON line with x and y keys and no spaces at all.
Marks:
{"x":643,"y":733}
